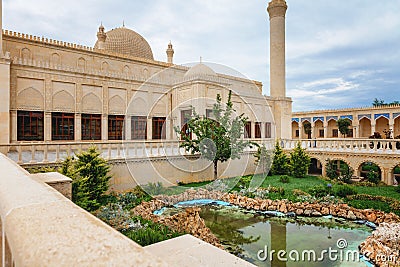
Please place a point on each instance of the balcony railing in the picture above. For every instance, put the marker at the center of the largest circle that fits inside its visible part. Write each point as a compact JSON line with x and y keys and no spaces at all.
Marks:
{"x":382,"y":146}
{"x":53,"y":152}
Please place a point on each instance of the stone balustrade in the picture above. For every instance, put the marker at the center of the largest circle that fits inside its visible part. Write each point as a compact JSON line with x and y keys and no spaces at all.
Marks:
{"x":383,"y":146}
{"x":54,"y":152}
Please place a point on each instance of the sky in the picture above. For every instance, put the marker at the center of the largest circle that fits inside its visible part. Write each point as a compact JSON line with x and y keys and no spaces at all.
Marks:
{"x":339,"y":54}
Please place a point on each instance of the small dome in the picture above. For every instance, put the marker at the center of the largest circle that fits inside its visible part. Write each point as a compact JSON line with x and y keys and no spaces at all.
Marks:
{"x":200,"y":70}
{"x":127,"y":42}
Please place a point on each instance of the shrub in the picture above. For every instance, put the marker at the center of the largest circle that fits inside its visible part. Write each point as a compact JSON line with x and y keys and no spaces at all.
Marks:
{"x":42,"y":169}
{"x":397,"y":189}
{"x":365,"y":184}
{"x":344,"y":191}
{"x":299,"y":161}
{"x":280,"y":164}
{"x":298,"y":193}
{"x":89,"y":173}
{"x":345,"y":174}
{"x":284,"y":179}
{"x":154,"y":189}
{"x":319,"y":191}
{"x":373,"y":177}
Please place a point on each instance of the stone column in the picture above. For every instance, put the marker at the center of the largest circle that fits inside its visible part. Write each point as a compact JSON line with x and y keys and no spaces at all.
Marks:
{"x":128,"y":127}
{"x":149,"y":128}
{"x":4,"y":98}
{"x":373,"y":128}
{"x":13,"y":126}
{"x":47,"y":126}
{"x":313,"y":133}
{"x":300,"y":130}
{"x":104,"y":127}
{"x":78,"y":127}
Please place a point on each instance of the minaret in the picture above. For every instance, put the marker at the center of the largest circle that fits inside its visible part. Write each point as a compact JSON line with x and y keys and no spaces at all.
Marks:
{"x":101,"y":37}
{"x":277,"y":10}
{"x":170,"y":53}
{"x":280,"y":104}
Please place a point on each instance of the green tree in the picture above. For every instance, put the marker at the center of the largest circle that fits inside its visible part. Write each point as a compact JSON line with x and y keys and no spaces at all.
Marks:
{"x":331,"y":170}
{"x":378,"y":102}
{"x":218,"y":139}
{"x":280,"y":163}
{"x":299,"y":161}
{"x":89,"y":173}
{"x":307,"y":129}
{"x":343,"y":125}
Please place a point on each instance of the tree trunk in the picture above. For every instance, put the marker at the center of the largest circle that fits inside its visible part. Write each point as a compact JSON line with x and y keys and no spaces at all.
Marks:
{"x":215,"y":169}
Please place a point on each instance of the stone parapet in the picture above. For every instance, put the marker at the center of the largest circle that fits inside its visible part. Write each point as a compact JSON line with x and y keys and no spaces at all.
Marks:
{"x":43,"y":228}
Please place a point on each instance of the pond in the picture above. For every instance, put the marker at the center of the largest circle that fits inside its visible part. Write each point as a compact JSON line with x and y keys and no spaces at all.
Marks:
{"x":252,"y":236}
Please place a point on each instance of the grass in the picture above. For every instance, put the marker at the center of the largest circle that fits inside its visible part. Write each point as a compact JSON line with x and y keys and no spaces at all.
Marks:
{"x":305,"y":184}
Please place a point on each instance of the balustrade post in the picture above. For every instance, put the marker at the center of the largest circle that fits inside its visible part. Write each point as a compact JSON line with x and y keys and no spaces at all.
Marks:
{"x":19,"y":149}
{"x":45,"y":154}
{"x":33,"y":152}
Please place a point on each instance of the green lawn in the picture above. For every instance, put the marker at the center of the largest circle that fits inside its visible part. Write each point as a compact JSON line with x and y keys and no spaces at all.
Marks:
{"x":305,"y":184}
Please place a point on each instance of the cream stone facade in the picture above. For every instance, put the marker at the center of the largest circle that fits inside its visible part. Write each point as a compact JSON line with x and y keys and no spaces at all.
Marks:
{"x":57,"y":91}
{"x":364,"y":122}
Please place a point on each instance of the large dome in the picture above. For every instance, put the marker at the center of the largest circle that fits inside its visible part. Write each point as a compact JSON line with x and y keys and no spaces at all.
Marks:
{"x":127,"y":42}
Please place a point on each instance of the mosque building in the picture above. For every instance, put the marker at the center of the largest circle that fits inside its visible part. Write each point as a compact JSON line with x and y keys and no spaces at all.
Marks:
{"x":51,"y":90}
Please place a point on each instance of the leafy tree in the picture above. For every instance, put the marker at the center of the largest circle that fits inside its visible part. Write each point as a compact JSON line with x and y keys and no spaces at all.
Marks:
{"x":280,"y":163}
{"x":217,"y":140}
{"x":331,"y":170}
{"x":299,"y":161}
{"x":378,"y":102}
{"x":307,"y":128}
{"x":89,"y":173}
{"x":343,"y":125}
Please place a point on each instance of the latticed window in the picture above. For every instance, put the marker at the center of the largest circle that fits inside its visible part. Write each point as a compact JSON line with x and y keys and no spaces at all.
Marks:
{"x":30,"y":126}
{"x":321,"y":133}
{"x":158,"y":128}
{"x":139,"y":127}
{"x":115,"y":127}
{"x":91,"y":127}
{"x":268,"y":130}
{"x":62,"y":126}
{"x":335,"y":133}
{"x":257,"y":132}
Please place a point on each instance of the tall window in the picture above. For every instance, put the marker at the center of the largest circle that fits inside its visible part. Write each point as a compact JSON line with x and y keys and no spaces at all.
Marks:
{"x":257,"y":133}
{"x":335,"y":133}
{"x":268,"y":130}
{"x":297,"y":133}
{"x":30,"y":126}
{"x":91,"y":127}
{"x":247,"y":130}
{"x":115,"y":127}
{"x":139,"y":128}
{"x":62,"y":126}
{"x":321,"y":133}
{"x":158,"y":128}
{"x":185,"y":118}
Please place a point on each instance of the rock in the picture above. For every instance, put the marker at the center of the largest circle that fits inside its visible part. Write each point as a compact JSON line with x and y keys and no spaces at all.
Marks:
{"x":299,"y":212}
{"x":371,"y":217}
{"x":325,"y":211}
{"x":283,"y":208}
{"x":307,"y":212}
{"x":351,"y":216}
{"x":316,"y":214}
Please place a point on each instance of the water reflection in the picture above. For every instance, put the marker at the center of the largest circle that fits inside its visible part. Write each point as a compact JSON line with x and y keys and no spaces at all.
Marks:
{"x":246,"y":233}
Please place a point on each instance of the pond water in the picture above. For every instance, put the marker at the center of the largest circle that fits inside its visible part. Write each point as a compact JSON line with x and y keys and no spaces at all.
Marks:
{"x":252,"y":236}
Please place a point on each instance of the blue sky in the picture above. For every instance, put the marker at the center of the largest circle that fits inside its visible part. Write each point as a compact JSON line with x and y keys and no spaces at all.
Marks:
{"x":339,"y":53}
